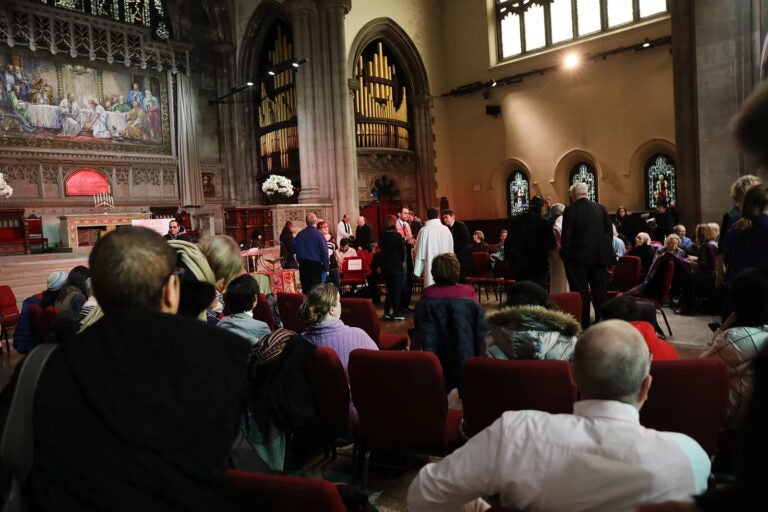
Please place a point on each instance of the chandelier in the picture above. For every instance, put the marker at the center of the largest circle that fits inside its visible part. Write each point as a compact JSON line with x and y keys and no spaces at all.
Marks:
{"x":518,"y":6}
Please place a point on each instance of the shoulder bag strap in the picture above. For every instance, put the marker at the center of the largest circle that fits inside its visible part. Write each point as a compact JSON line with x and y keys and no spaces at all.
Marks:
{"x":17,"y":445}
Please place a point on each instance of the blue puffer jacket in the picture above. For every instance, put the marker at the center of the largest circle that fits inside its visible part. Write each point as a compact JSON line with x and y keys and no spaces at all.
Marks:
{"x":454,"y":329}
{"x":25,"y":336}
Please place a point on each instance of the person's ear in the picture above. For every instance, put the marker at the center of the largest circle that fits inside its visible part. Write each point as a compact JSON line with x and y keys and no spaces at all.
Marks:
{"x":171,"y":295}
{"x":642,"y":396}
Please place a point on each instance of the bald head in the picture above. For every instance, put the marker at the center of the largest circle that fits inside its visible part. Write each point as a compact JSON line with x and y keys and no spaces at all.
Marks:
{"x":578,"y":190}
{"x":611,"y":362}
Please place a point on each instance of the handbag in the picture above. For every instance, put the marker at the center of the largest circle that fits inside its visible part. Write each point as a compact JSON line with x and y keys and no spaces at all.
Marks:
{"x":17,"y":445}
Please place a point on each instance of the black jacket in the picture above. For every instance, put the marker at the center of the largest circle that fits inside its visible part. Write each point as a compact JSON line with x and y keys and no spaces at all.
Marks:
{"x":587,"y":235}
{"x":392,"y":253}
{"x":461,"y":240}
{"x":138,"y":413}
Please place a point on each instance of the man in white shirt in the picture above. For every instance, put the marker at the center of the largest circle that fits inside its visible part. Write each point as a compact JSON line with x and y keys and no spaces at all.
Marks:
{"x":599,"y":458}
{"x":343,"y":230}
{"x":434,"y":239}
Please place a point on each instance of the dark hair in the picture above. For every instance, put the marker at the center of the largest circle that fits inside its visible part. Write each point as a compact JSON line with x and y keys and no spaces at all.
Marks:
{"x":287,"y":227}
{"x":623,"y":307}
{"x":447,"y":211}
{"x":401,"y":208}
{"x":755,"y":203}
{"x":129,"y":268}
{"x":446,"y":269}
{"x":749,"y":292}
{"x":536,"y":204}
{"x":240,"y":293}
{"x":433,"y":213}
{"x":389,"y":222}
{"x":528,"y":293}
{"x":256,"y":233}
{"x":77,"y":277}
{"x":344,"y":241}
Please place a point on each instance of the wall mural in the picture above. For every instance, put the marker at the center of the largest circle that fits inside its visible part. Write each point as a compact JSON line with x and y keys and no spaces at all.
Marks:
{"x":55,"y":103}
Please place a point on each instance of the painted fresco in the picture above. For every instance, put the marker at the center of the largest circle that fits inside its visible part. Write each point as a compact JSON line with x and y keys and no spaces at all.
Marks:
{"x":59,"y":104}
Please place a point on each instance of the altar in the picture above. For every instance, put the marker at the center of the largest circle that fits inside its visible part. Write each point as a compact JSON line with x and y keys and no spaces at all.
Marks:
{"x":81,"y":231}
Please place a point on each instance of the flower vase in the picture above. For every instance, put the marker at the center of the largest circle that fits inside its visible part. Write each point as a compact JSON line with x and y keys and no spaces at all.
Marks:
{"x":276,"y":199}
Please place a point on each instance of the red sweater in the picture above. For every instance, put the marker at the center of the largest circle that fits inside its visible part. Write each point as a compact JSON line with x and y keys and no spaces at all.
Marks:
{"x":660,"y":349}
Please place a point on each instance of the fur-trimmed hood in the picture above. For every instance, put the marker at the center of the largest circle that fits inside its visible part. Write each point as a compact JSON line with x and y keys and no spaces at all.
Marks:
{"x":534,"y":318}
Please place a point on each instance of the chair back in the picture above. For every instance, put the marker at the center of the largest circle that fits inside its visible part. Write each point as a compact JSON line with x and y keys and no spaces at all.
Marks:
{"x":367,"y":258}
{"x":361,"y":313}
{"x":330,"y":392}
{"x":255,"y":491}
{"x":400,"y":398}
{"x":263,"y":312}
{"x":492,"y":386}
{"x":9,"y":310}
{"x":688,"y":396}
{"x":626,"y":275}
{"x":481,"y":264}
{"x":569,"y":302}
{"x":288,"y":306}
{"x":37,"y":316}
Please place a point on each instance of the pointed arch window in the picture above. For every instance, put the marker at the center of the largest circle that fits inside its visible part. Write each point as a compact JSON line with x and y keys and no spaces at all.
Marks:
{"x":518,"y":192}
{"x":660,"y":180}
{"x":584,"y":172}
{"x":147,"y":13}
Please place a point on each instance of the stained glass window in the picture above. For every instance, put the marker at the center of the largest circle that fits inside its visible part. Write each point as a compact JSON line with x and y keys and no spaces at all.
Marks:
{"x":524,"y":26}
{"x":583,"y":172}
{"x":518,"y":192}
{"x":660,"y":180}
{"x":147,"y":13}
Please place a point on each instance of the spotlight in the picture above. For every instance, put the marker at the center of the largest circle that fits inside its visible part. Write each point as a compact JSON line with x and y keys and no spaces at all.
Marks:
{"x":271,"y":72}
{"x":647,"y":43}
{"x":249,"y":84}
{"x":571,"y":61}
{"x":493,"y":84}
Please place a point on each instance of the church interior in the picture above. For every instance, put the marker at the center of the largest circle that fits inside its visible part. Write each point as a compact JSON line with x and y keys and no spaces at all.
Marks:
{"x":119,"y":112}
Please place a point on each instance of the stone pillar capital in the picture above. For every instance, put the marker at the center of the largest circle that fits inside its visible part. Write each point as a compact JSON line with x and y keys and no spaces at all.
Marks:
{"x":297,"y":7}
{"x":343,"y":5}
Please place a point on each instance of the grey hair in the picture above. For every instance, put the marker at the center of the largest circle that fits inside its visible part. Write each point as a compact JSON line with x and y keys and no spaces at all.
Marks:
{"x":645,"y":236}
{"x":557,"y":210}
{"x":578,"y":189}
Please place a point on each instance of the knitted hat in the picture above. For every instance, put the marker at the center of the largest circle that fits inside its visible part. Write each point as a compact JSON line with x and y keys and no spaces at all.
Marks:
{"x":527,"y":292}
{"x":56,"y":280}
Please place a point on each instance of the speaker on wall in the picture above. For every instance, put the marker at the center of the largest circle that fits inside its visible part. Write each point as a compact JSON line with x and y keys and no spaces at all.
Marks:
{"x":493,"y":110}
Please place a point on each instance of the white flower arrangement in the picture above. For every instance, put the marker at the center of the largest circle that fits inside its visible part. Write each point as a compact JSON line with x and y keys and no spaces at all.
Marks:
{"x":277,"y":185}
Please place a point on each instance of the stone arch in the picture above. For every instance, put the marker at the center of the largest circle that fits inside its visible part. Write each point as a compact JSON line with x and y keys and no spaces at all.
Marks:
{"x":252,"y":44}
{"x":417,"y":82}
{"x":561,"y":175}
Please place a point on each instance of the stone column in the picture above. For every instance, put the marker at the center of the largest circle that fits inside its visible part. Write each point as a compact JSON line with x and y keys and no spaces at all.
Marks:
{"x":424,"y":147}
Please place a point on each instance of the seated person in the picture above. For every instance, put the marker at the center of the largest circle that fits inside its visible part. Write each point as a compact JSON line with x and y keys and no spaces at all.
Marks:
{"x":255,"y":242}
{"x":618,"y":244}
{"x":344,"y":251}
{"x":530,"y":326}
{"x":706,"y":297}
{"x":598,"y":458}
{"x":653,"y":285}
{"x":446,"y":271}
{"x":644,"y":251}
{"x":478,"y":243}
{"x":626,"y":308}
{"x":56,"y":281}
{"x":322,"y":311}
{"x":498,"y":250}
{"x":685,"y":242}
{"x":242,"y":295}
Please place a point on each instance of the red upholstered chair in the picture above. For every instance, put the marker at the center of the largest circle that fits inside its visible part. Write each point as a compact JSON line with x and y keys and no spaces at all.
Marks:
{"x":49,"y":315}
{"x":626,"y":275}
{"x":33,"y":233}
{"x":400,"y":399}
{"x":263,"y":312}
{"x":367,"y":259}
{"x":569,"y":302}
{"x":480,"y":275}
{"x":254,"y":491}
{"x":288,"y":306}
{"x":330,"y":392}
{"x":353,"y":272}
{"x":493,"y":386}
{"x":688,"y":396}
{"x":37,"y":316}
{"x":362,"y":313}
{"x":9,"y":314}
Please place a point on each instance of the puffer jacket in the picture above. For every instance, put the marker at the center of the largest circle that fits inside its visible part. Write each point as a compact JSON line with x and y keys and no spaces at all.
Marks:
{"x":531,"y":332}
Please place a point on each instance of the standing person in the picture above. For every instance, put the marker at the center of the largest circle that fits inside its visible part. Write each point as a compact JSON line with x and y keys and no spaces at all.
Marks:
{"x":403,"y":226}
{"x":528,"y":245}
{"x":344,"y":229}
{"x":141,"y":388}
{"x":461,"y":241}
{"x":598,"y":458}
{"x":558,"y":283}
{"x":311,"y":253}
{"x":586,"y":249}
{"x":364,"y":238}
{"x":747,"y":240}
{"x":287,"y":249}
{"x":434,"y":239}
{"x":416,"y":224}
{"x":334,"y":275}
{"x":738,"y":191}
{"x":393,"y":268}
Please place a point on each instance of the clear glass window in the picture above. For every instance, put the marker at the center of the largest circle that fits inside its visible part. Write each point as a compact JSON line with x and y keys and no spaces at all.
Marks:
{"x":535,"y":29}
{"x":651,"y":7}
{"x":561,"y":15}
{"x":511,"y":42}
{"x":619,"y":12}
{"x":588,"y":15}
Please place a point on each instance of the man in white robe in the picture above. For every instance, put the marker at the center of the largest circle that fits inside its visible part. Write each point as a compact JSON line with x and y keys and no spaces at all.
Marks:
{"x":71,"y":119}
{"x":434,"y":239}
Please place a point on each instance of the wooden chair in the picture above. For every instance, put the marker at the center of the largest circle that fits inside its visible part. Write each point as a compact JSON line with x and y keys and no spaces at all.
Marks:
{"x":492,"y":386}
{"x":33,"y":234}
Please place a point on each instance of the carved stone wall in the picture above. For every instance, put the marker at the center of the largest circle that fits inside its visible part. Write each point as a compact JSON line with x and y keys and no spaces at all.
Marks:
{"x":398,"y":165}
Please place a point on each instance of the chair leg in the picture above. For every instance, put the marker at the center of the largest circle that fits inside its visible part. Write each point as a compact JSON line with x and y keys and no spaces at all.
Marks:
{"x":664,"y":315}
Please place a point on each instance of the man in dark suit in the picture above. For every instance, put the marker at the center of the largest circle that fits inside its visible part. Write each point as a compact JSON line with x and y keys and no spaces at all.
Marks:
{"x":364,"y":235}
{"x":461,"y":241}
{"x":586,"y":249}
{"x":528,"y":244}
